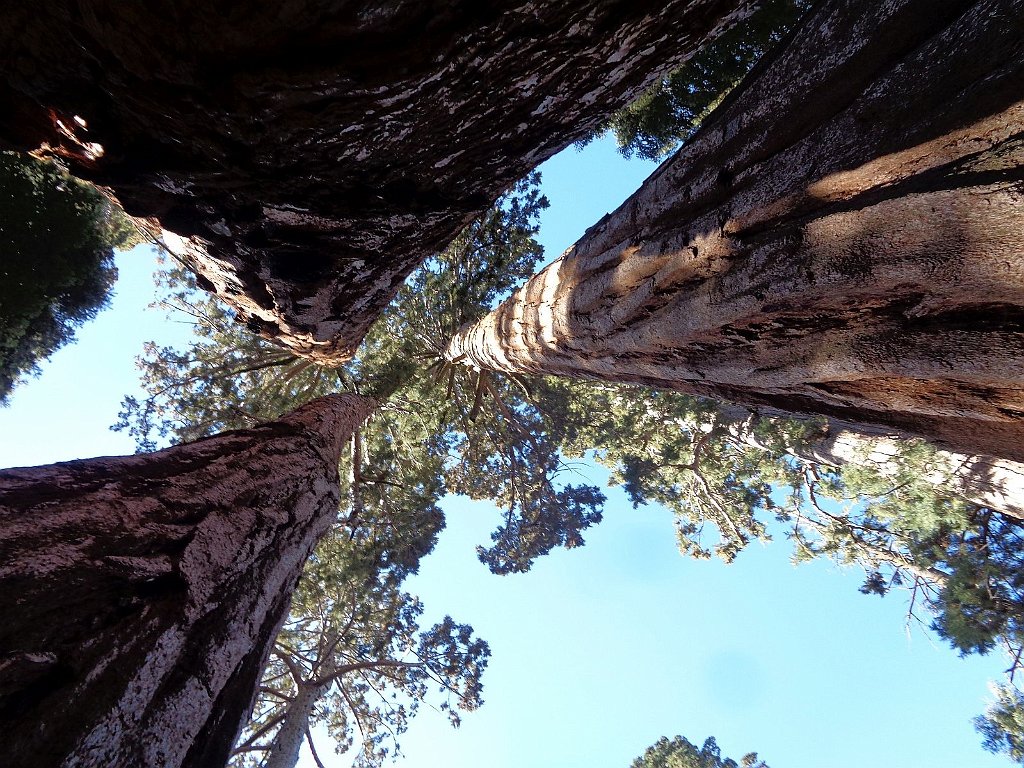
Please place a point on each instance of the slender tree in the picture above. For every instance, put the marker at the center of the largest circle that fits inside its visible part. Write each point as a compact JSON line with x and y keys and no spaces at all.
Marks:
{"x":141,"y":595}
{"x":981,"y":480}
{"x":309,"y":156}
{"x":840,"y":237}
{"x":353,"y":658}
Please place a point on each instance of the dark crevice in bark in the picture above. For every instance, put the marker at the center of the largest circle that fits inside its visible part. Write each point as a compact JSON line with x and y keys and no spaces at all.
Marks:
{"x":231,"y":708}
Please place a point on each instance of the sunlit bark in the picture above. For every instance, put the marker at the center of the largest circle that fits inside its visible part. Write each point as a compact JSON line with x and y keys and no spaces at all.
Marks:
{"x":842,"y":237}
{"x":284,"y":751}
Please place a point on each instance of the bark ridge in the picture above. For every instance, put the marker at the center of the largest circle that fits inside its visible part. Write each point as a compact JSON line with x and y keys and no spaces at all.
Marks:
{"x":842,"y":237}
{"x":141,"y":594}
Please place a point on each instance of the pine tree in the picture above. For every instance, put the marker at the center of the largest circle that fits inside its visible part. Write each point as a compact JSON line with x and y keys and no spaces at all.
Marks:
{"x":352,"y":657}
{"x":668,"y":113}
{"x":444,"y":428}
{"x":681,"y":753}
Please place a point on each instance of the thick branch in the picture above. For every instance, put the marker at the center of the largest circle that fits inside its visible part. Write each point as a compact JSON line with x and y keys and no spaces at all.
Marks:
{"x":359,"y":666}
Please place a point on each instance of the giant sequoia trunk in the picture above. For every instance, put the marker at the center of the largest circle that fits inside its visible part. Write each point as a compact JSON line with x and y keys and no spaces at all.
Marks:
{"x":312,"y":154}
{"x":140,"y":595}
{"x":842,"y":237}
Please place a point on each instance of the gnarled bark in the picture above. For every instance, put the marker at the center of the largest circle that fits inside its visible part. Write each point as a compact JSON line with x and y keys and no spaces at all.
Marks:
{"x":842,"y":237}
{"x":310,"y":155}
{"x":140,"y":595}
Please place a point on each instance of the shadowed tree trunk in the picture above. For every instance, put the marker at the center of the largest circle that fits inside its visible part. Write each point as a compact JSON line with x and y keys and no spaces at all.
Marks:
{"x":842,"y":237}
{"x":315,"y":153}
{"x":140,"y":595}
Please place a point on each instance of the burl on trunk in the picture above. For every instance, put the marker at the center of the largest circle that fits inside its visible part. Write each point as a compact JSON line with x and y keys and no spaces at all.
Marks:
{"x":843,"y":237}
{"x":140,"y":595}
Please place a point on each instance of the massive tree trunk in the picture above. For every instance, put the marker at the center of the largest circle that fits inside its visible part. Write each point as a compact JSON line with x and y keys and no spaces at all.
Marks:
{"x":140,"y":595}
{"x":312,"y":154}
{"x":842,"y":237}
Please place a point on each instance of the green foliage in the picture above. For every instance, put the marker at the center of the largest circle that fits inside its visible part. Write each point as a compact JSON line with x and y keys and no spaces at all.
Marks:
{"x":982,"y":602}
{"x":57,"y":236}
{"x":682,"y":452}
{"x":670,"y":111}
{"x":1002,"y":725}
{"x":732,"y":476}
{"x":354,"y":638}
{"x":733,"y":471}
{"x":681,"y":753}
{"x":439,"y":429}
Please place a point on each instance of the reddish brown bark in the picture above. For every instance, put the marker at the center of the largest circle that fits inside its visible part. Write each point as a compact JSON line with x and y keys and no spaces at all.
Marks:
{"x":319,"y":151}
{"x":842,"y":237}
{"x":140,"y":595}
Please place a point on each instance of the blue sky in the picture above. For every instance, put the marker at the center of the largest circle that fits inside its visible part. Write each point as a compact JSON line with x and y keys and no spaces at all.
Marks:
{"x":600,"y":650}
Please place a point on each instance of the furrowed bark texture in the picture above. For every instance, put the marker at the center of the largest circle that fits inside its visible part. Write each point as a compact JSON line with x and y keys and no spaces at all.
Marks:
{"x":140,"y":595}
{"x":310,"y":155}
{"x":842,"y":237}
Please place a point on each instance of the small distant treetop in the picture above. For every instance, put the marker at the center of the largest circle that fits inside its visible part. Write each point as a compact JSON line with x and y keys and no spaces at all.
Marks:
{"x":681,"y":753}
